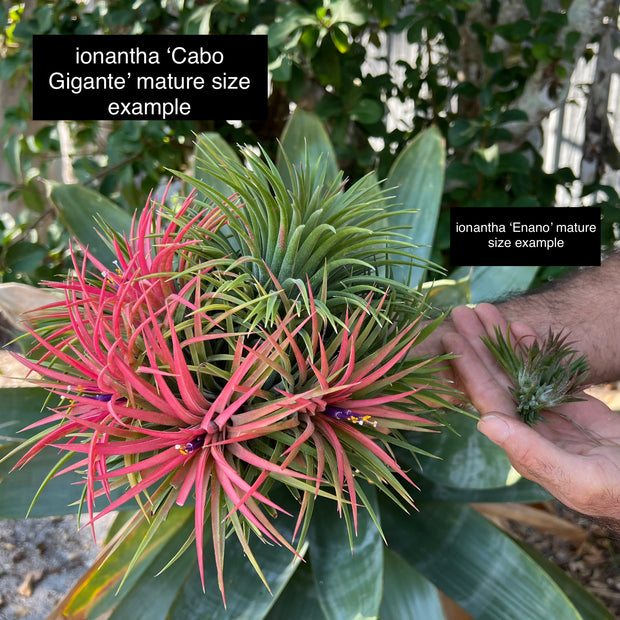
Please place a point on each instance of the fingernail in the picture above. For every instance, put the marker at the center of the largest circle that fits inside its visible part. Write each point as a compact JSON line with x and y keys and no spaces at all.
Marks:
{"x":494,"y":428}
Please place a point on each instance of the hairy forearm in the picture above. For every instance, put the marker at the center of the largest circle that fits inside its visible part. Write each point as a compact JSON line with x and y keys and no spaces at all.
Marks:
{"x":587,"y":305}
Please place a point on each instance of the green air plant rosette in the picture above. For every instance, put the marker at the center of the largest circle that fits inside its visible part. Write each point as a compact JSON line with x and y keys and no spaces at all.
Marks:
{"x":544,"y":374}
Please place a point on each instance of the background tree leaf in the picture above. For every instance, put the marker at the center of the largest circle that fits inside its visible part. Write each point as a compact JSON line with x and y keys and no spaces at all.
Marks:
{"x":82,"y":209}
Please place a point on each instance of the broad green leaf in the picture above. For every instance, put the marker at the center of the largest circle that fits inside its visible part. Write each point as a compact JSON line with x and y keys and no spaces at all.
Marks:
{"x":18,"y":488}
{"x":407,"y":593}
{"x":467,"y":458}
{"x":445,"y":294}
{"x":177,"y":592}
{"x":96,"y":591}
{"x":20,"y":408}
{"x":475,"y":564}
{"x":348,"y":580}
{"x":25,"y":256}
{"x":81,"y":209}
{"x":367,"y":111}
{"x":246,"y":595}
{"x":534,"y":7}
{"x":290,"y":19}
{"x":206,"y":142}
{"x":495,"y":282}
{"x":152,"y":595}
{"x":304,"y":131}
{"x":418,"y":175}
{"x":300,"y":593}
{"x":523,"y":491}
{"x":199,"y":21}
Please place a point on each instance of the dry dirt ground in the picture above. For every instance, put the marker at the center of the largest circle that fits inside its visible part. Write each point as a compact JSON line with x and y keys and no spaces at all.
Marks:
{"x":40,"y":559}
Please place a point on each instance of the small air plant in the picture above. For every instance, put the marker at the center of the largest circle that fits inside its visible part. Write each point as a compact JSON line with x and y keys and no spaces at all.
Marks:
{"x":545,"y":374}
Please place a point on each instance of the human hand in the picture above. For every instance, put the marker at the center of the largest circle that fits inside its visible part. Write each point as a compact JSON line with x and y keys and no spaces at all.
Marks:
{"x":574,"y":454}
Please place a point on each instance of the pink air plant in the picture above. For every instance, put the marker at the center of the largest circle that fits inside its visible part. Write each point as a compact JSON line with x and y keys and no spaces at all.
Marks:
{"x":172,"y":387}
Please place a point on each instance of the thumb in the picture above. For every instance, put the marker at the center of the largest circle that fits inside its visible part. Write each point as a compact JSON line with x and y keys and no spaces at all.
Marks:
{"x":530,"y":453}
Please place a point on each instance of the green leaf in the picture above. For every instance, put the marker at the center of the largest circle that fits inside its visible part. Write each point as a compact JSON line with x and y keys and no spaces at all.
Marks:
{"x":522,"y":491}
{"x":246,"y":596}
{"x":33,"y":199}
{"x":348,"y":579}
{"x":81,"y":208}
{"x":489,"y":283}
{"x":300,"y":593}
{"x":340,"y":39}
{"x":304,"y":131}
{"x":514,"y":115}
{"x":445,"y":294}
{"x":462,"y":132}
{"x":418,"y":175}
{"x":513,"y":162}
{"x":534,"y":7}
{"x":326,"y":64}
{"x":486,"y":160}
{"x":467,"y":458}
{"x":177,"y":592}
{"x":199,"y":21}
{"x":25,"y":256}
{"x":407,"y":593}
{"x":474,"y":563}
{"x":281,"y":30}
{"x":367,"y":111}
{"x":20,"y":408}
{"x":349,"y":11}
{"x":12,"y":153}
{"x":204,"y":143}
{"x":96,"y":591}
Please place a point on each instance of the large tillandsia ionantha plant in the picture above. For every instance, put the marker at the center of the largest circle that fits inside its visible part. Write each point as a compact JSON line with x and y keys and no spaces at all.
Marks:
{"x":244,"y":367}
{"x":239,"y":343}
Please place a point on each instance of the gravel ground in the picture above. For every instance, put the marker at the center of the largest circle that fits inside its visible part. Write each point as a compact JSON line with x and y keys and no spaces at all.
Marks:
{"x":40,"y":559}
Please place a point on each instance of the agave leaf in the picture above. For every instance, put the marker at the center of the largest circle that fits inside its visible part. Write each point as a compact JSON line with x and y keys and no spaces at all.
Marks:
{"x":417,"y":176}
{"x":467,"y":459}
{"x":305,"y":132}
{"x":299,"y":594}
{"x":446,"y":293}
{"x":81,"y":208}
{"x":348,"y":578}
{"x":477,"y":565}
{"x":495,"y":282}
{"x":20,"y":408}
{"x":95,"y":592}
{"x":177,"y":592}
{"x":407,"y":593}
{"x":523,"y":490}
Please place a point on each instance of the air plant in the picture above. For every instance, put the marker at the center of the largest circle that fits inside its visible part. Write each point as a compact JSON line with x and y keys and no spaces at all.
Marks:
{"x":544,"y":374}
{"x":226,"y":356}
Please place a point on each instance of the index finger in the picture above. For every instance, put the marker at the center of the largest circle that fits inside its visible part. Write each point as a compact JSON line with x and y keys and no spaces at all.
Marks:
{"x":479,"y":382}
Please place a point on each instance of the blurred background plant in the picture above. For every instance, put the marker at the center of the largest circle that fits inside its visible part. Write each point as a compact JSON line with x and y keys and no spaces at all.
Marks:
{"x":487,"y":74}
